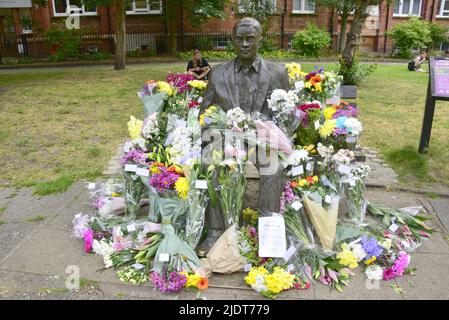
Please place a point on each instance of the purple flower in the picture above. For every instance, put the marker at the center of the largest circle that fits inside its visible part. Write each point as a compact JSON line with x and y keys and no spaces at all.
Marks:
{"x":401,"y":264}
{"x":252,"y":231}
{"x":340,"y":132}
{"x":88,"y":240}
{"x":349,"y":112}
{"x":174,"y":283}
{"x":134,"y":156}
{"x":98,"y":203}
{"x":164,"y":180}
{"x":179,"y":81}
{"x":371,"y":247}
{"x":287,"y":196}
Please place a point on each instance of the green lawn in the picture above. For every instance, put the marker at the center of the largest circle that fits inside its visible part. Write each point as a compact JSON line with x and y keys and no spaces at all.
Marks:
{"x":60,"y":126}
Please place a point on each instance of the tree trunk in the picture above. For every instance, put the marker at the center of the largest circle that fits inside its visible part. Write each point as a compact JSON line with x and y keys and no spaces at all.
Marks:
{"x":342,"y":40}
{"x":172,"y":19}
{"x":351,"y":46}
{"x":120,"y":34}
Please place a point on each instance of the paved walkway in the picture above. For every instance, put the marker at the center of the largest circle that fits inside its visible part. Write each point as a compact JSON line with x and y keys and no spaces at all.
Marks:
{"x":37,"y":247}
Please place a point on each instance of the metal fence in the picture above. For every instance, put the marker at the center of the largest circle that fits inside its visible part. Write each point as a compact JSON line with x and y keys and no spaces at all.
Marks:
{"x":29,"y":46}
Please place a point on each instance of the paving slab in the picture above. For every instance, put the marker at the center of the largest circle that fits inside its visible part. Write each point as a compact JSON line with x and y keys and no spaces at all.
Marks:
{"x":46,"y":251}
{"x":436,"y":245}
{"x":26,"y":205}
{"x":11,"y":233}
{"x":91,"y":267}
{"x":431,"y":281}
{"x":441,"y":208}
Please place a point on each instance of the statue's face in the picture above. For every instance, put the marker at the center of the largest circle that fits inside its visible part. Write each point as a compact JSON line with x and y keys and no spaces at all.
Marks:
{"x":246,"y":42}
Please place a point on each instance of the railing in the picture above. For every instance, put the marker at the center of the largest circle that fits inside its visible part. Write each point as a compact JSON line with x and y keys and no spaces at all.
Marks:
{"x":138,"y":42}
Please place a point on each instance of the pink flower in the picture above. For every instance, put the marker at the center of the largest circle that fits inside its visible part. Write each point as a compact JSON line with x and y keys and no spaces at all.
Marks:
{"x":389,"y":274}
{"x":88,"y":240}
{"x":401,"y":264}
{"x":252,"y":231}
{"x":423,"y":234}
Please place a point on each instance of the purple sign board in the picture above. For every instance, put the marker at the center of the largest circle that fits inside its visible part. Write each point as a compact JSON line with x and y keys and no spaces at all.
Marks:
{"x":439,"y":71}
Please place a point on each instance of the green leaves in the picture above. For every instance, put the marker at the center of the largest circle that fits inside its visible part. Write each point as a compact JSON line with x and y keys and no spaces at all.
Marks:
{"x":311,"y":41}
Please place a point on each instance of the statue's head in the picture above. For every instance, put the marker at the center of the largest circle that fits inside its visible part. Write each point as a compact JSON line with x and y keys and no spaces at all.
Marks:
{"x":246,"y":35}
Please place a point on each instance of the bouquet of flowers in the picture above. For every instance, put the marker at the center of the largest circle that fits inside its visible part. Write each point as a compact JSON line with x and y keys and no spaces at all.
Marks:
{"x":282,"y":104}
{"x":342,"y":132}
{"x":154,"y":95}
{"x":355,"y":189}
{"x":319,"y":85}
{"x":320,"y":199}
{"x":309,"y":116}
{"x":269,"y":284}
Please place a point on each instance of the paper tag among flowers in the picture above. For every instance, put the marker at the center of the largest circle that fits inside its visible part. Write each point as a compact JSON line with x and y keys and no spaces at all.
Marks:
{"x":130,"y":167}
{"x":351,"y":139}
{"x":317,"y":124}
{"x":164,"y":257}
{"x":201,"y":184}
{"x":328,"y":199}
{"x":296,"y":171}
{"x":247,"y":267}
{"x":91,"y":186}
{"x":299,"y":85}
{"x":393,"y":227}
{"x":127,"y":146}
{"x":138,"y":266}
{"x":296,"y":205}
{"x":200,"y":99}
{"x":131,"y":227}
{"x":144,"y":172}
{"x":290,"y":267}
{"x":333,"y":100}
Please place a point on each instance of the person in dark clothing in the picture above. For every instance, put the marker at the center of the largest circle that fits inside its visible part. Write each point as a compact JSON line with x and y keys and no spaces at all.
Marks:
{"x":198,"y":66}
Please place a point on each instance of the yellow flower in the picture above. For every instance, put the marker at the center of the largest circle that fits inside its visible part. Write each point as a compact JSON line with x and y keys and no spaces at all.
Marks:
{"x":315,"y":179}
{"x":369,"y":261}
{"x":327,"y":128}
{"x":293,"y":69}
{"x":302,"y":182}
{"x":134,"y":127}
{"x":317,"y":86}
{"x":346,"y":257}
{"x":192,"y":280}
{"x":329,"y":112}
{"x":197,"y":84}
{"x":307,"y":85}
{"x":182,"y":186}
{"x":386,"y":244}
{"x":202,"y":123}
{"x":115,"y":194}
{"x":165,"y":87}
{"x":253,"y":273}
{"x":279,"y":280}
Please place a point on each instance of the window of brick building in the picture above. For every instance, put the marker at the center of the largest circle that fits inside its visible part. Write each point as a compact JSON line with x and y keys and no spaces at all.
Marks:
{"x":61,"y":8}
{"x":303,"y":6}
{"x":144,"y":7}
{"x":443,"y":8}
{"x":242,"y":9}
{"x":407,"y":8}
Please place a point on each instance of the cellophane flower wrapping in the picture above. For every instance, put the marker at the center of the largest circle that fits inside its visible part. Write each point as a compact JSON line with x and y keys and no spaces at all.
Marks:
{"x":134,"y":193}
{"x":197,"y":200}
{"x":232,"y":185}
{"x":181,"y":256}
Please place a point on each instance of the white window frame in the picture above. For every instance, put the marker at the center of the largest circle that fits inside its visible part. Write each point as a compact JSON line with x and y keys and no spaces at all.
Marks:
{"x":410,"y":9}
{"x":81,"y":12}
{"x":303,"y":5}
{"x":441,"y":10}
{"x":145,"y":11}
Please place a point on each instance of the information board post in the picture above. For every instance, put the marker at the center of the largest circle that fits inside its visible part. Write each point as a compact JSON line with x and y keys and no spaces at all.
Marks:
{"x":427,"y":120}
{"x":437,"y":89}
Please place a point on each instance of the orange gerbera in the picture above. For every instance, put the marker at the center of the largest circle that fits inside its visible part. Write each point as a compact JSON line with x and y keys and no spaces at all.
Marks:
{"x":157,"y":164}
{"x":202,"y":284}
{"x":294,"y":184}
{"x":310,"y":180}
{"x":315,"y":79}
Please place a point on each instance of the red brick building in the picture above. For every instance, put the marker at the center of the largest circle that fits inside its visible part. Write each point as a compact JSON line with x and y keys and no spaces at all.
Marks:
{"x":146,"y":16}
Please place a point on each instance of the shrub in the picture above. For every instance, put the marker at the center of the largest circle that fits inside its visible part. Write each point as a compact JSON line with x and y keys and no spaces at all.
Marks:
{"x":437,"y":34}
{"x":67,"y":41}
{"x":409,"y":35}
{"x":357,"y":73}
{"x":311,"y":41}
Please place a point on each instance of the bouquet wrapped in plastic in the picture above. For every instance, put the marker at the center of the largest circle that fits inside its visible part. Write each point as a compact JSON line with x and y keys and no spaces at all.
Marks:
{"x":283,"y":106}
{"x":154,"y":95}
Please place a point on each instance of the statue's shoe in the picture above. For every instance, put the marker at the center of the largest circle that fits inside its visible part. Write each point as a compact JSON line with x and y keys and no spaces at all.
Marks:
{"x":204,"y":247}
